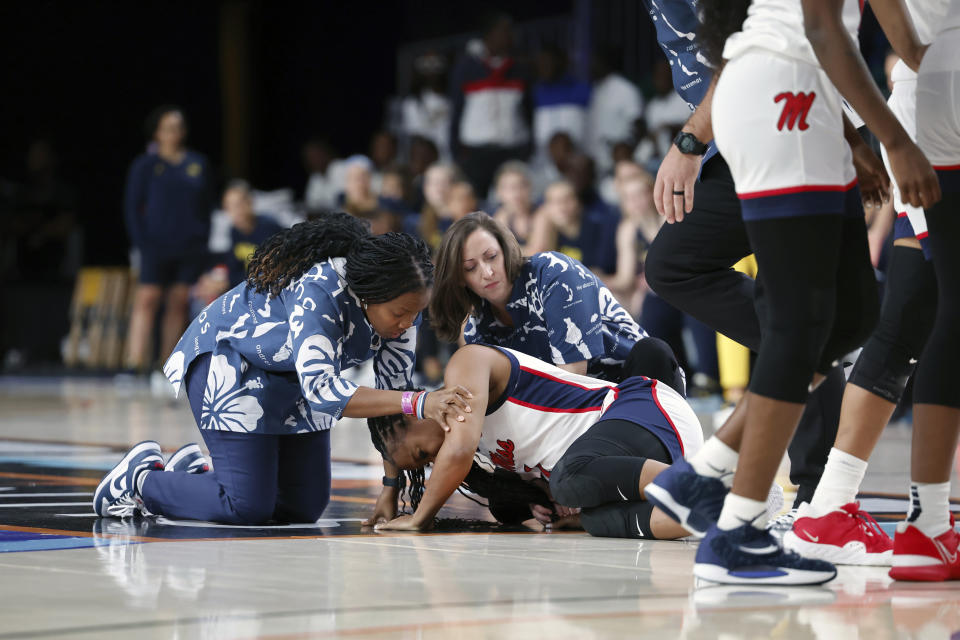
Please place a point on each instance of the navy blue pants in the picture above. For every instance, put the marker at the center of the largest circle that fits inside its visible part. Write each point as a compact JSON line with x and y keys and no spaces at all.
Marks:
{"x":256,"y":478}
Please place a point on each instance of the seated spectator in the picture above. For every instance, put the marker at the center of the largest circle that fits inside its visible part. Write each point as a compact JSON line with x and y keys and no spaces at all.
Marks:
{"x":426,"y":111}
{"x":563,"y":224}
{"x":514,"y":199}
{"x":325,"y":176}
{"x":247,"y":232}
{"x":434,"y":218}
{"x":358,"y":197}
{"x":611,"y":186}
{"x":423,"y":153}
{"x":639,"y":224}
{"x":615,"y":103}
{"x":666,"y":111}
{"x":550,"y":169}
{"x":560,"y":101}
{"x":461,"y":201}
{"x":395,"y":191}
{"x":383,"y":155}
{"x":580,"y":173}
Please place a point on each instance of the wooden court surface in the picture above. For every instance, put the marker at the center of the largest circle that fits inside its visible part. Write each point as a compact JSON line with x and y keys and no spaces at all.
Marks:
{"x":67,"y":574}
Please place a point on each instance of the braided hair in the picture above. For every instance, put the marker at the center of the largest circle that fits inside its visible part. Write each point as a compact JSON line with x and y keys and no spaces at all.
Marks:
{"x":508,"y":495}
{"x":379,"y":268}
{"x":718,"y":20}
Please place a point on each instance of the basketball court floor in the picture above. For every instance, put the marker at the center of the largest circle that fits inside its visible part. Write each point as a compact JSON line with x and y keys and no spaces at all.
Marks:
{"x":64,"y":573}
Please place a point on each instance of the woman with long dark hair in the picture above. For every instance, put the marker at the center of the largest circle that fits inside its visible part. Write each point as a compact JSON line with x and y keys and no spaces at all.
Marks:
{"x":778,"y":121}
{"x":263,"y":368}
{"x":548,"y":306}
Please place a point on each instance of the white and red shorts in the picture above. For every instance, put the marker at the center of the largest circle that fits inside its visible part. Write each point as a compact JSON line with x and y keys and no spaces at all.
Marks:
{"x":938,"y":108}
{"x":778,"y":123}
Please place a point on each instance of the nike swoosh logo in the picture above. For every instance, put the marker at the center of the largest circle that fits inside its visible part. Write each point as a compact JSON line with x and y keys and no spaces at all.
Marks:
{"x":639,"y":530}
{"x":948,"y":557}
{"x":768,"y":549}
{"x":812,"y":537}
{"x":625,"y":498}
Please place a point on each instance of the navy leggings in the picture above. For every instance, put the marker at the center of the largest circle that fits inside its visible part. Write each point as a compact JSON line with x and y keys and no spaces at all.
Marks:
{"x":256,"y":478}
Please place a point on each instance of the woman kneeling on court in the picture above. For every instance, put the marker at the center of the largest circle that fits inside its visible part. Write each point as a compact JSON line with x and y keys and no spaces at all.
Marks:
{"x":263,"y":366}
{"x":598,"y":444}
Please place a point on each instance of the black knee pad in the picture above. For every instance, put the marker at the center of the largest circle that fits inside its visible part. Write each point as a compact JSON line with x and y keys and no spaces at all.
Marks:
{"x":566,"y":486}
{"x":653,"y":358}
{"x":906,"y":318}
{"x":618,"y":520}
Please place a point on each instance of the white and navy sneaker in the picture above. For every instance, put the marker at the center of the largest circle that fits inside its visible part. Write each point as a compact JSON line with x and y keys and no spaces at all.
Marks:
{"x":188,"y":459}
{"x":116,"y":495}
{"x":747,"y":555}
{"x":693,"y":500}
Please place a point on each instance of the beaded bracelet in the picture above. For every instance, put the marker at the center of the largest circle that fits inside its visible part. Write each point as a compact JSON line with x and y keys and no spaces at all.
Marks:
{"x":405,"y":403}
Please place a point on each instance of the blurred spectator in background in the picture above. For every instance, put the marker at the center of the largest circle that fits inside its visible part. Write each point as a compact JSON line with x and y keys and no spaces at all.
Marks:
{"x":550,"y":169}
{"x":667,"y":111}
{"x":168,"y":202}
{"x":434,"y":218}
{"x":514,"y":200}
{"x":560,"y":101}
{"x":359,"y":198}
{"x":639,"y":224}
{"x":615,"y":103}
{"x":611,"y":187}
{"x":426,"y":111}
{"x":41,"y":239}
{"x":490,"y":96}
{"x":462,"y":200}
{"x":325,"y":176}
{"x":580,"y":173}
{"x":423,"y":153}
{"x":247,"y":229}
{"x":563,"y":224}
{"x":383,"y":155}
{"x":395,"y":191}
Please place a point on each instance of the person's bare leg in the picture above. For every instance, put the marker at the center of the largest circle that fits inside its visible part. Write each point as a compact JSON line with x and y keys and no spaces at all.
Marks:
{"x":935,"y":430}
{"x":146,"y":300}
{"x":174,"y":318}
{"x":663,"y":527}
{"x":769,"y":426}
{"x":863,"y":416}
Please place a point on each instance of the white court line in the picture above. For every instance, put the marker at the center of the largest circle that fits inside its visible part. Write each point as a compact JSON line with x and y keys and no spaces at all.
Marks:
{"x":45,"y":495}
{"x":44,"y":504}
{"x":91,"y":514}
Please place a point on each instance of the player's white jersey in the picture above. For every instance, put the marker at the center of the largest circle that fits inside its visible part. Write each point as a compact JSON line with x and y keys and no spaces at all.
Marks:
{"x":544,"y":409}
{"x":777,"y":26}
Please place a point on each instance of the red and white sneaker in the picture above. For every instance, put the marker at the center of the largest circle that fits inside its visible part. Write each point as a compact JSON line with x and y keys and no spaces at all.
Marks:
{"x":918,"y":557}
{"x":844,"y":536}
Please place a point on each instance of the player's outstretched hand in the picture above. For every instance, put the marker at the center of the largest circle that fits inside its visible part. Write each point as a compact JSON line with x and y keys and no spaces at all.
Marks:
{"x":385,"y":509}
{"x":916,"y":178}
{"x":871,"y":177}
{"x":403,"y":523}
{"x":678,"y":173}
{"x":448,"y":405}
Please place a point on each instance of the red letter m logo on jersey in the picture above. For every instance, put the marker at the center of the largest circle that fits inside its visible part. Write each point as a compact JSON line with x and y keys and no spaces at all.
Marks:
{"x":796,"y":106}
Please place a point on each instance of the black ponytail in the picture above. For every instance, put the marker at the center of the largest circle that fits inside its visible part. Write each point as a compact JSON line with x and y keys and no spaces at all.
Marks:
{"x":379,"y":268}
{"x":718,"y":20}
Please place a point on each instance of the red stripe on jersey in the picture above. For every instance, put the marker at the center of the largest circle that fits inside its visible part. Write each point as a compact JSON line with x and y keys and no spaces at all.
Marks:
{"x":530,"y":405}
{"x":801,"y":189}
{"x":541,"y":374}
{"x":952,"y":167}
{"x":902,"y":214}
{"x":653,"y":392}
{"x":922,"y":235}
{"x":492,"y":83}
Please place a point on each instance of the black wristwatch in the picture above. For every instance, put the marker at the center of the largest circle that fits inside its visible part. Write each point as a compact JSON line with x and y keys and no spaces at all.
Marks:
{"x":688,"y":143}
{"x":391,"y":482}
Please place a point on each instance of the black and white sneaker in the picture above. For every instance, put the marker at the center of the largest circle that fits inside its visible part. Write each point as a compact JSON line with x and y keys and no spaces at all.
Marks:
{"x":116,"y":495}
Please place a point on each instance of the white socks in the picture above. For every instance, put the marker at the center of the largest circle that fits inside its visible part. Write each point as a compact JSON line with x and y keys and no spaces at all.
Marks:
{"x":930,"y":507}
{"x":738,"y":511}
{"x":715,"y":460}
{"x":839,"y":483}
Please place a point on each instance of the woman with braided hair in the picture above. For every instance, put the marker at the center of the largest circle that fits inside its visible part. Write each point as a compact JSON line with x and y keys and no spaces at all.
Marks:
{"x":263,"y":368}
{"x":592,"y":445}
